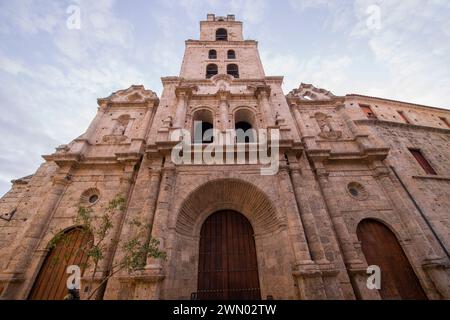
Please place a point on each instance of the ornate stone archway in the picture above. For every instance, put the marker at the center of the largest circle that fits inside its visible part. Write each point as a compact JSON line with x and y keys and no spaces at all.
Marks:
{"x":273,"y":250}
{"x":228,"y":194}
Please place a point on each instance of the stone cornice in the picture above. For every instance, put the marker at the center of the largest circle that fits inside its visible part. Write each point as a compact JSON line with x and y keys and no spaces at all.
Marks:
{"x":315,"y":103}
{"x":222,"y":43}
{"x":396,"y":102}
{"x":369,"y":154}
{"x":185,"y":90}
{"x":293,"y":99}
{"x":401,"y":125}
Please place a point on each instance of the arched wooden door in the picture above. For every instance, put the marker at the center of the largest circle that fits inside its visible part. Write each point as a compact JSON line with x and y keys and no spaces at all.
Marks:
{"x":51,"y":281}
{"x":381,"y":248}
{"x":228,"y":268}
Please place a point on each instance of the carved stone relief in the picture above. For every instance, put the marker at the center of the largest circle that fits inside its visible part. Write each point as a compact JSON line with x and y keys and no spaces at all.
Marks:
{"x":326,"y":128}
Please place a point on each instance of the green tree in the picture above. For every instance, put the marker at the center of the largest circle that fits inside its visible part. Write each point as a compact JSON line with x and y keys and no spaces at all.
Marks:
{"x":136,"y":249}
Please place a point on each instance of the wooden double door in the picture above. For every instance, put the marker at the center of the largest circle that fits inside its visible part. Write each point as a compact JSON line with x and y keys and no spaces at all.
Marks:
{"x":228,"y":268}
{"x":51,"y":282}
{"x":381,"y":248}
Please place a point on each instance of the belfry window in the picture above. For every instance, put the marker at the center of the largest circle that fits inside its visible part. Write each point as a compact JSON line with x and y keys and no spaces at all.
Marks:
{"x":244,"y":120}
{"x":211,"y":70}
{"x":244,"y":132}
{"x":231,"y":54}
{"x":203,"y":127}
{"x":221,"y":35}
{"x":212,"y":54}
{"x":233,"y":70}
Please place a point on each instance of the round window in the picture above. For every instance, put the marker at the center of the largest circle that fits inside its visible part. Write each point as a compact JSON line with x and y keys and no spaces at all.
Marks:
{"x":90,"y":197}
{"x":357,"y":190}
{"x":93,"y":199}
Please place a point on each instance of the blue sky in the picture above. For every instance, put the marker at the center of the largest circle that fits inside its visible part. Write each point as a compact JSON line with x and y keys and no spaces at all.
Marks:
{"x":51,"y":76}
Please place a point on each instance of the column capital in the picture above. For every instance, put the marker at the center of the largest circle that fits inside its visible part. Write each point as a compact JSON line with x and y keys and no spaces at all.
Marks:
{"x":263,"y":91}
{"x":185,"y":91}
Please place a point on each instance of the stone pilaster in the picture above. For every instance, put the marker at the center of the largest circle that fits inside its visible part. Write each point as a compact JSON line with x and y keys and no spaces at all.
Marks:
{"x":263,"y":95}
{"x":105,"y":265}
{"x":305,"y":271}
{"x":223,"y":110}
{"x":155,"y":267}
{"x":355,"y":266}
{"x":141,"y":208}
{"x":25,"y":250}
{"x":306,"y":214}
{"x":183,"y":94}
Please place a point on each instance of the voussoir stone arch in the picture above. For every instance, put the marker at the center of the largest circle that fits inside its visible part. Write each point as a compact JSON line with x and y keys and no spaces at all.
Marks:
{"x":228,"y":194}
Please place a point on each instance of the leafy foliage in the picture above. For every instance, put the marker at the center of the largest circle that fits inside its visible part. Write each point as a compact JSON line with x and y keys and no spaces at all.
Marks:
{"x":137,"y":249}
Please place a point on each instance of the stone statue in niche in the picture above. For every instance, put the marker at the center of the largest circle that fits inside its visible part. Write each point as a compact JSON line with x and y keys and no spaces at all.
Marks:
{"x":326,"y":129}
{"x":168,"y":122}
{"x":118,"y":133}
{"x":119,"y":130}
{"x":121,"y":125}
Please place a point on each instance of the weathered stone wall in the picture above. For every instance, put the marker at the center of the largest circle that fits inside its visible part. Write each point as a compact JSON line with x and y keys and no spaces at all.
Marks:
{"x":304,"y":217}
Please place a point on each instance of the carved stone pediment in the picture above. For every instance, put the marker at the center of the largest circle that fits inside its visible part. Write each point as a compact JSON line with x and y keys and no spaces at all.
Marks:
{"x":308,"y":92}
{"x":134,"y":94}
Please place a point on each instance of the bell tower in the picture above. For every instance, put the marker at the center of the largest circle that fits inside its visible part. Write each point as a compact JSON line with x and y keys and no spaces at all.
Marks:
{"x":221,"y":50}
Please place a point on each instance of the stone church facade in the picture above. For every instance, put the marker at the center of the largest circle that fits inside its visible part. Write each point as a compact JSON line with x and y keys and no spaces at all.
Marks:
{"x":361,"y":181}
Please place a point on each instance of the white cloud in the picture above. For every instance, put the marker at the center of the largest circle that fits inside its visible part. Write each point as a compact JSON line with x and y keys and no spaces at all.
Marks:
{"x":412,"y":45}
{"x":418,"y":68}
{"x":251,"y":11}
{"x":47,"y":104}
{"x":30,"y":16}
{"x":329,"y":72}
{"x":11,"y":66}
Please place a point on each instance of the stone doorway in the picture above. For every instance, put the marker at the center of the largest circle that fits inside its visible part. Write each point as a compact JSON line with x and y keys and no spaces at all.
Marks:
{"x":228,"y":268}
{"x":381,"y":247}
